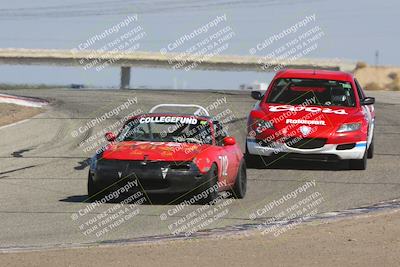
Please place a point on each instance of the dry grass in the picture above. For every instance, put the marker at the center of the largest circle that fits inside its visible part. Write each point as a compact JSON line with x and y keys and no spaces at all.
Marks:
{"x":10,"y":113}
{"x":379,"y":78}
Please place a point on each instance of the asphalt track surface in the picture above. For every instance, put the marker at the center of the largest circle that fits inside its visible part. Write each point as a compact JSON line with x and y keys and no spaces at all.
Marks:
{"x":43,"y":170}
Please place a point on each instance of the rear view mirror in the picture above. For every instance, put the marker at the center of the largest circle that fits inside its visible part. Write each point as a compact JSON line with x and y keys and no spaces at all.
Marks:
{"x":110,"y":136}
{"x":368,"y":101}
{"x":229,"y":141}
{"x":256,"y":95}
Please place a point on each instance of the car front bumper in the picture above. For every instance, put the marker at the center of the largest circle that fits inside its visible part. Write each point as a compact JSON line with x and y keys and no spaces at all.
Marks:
{"x":275,"y":149}
{"x":153,"y":177}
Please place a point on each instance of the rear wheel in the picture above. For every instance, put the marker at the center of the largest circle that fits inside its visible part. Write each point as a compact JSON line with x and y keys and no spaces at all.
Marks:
{"x":359,"y":164}
{"x":240,"y":187}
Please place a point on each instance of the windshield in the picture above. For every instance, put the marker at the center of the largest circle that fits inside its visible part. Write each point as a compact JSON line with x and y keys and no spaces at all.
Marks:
{"x":167,"y":129}
{"x":319,"y":92}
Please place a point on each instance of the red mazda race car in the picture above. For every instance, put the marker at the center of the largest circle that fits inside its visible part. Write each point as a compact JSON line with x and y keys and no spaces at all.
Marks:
{"x":312,"y":115}
{"x":170,"y":154}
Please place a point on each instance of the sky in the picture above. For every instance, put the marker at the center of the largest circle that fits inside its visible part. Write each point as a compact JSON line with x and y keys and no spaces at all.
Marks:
{"x":352,"y":30}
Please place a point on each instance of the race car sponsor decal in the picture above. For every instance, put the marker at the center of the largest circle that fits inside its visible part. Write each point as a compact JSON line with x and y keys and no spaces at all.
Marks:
{"x":310,"y":122}
{"x":168,"y":119}
{"x":224,"y":165}
{"x":309,"y":109}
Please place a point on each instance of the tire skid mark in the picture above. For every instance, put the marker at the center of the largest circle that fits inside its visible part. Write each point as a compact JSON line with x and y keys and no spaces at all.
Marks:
{"x":83,"y":137}
{"x":242,"y":229}
{"x":325,"y":182}
{"x":18,"y":169}
{"x":18,"y":153}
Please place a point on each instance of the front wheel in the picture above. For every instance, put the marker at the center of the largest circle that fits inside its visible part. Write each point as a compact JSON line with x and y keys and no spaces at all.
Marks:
{"x":240,"y":186}
{"x":210,"y":186}
{"x":254,"y":161}
{"x":370,"y":154}
{"x":359,"y":164}
{"x":93,"y":191}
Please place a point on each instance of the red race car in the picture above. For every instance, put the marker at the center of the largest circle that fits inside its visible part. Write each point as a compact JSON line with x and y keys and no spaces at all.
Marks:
{"x":170,"y":153}
{"x":312,"y":115}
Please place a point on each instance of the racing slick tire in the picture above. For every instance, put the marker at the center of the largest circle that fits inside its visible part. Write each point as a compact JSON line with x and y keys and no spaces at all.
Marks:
{"x":370,"y":153}
{"x":212,"y":180}
{"x":240,"y":186}
{"x":359,"y":164}
{"x":93,"y":191}
{"x":254,"y":161}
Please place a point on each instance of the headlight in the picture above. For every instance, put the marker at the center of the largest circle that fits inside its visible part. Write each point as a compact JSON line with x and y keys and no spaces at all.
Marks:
{"x":349,"y":127}
{"x":261,"y":125}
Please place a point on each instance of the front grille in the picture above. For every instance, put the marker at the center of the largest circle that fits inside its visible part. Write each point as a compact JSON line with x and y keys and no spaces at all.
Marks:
{"x":310,"y":157}
{"x":151,"y":174}
{"x":305,"y":143}
{"x":139,"y":164}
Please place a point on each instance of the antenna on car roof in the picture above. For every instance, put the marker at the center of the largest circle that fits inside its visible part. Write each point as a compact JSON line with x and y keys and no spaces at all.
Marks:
{"x":199,"y":110}
{"x":314,"y":69}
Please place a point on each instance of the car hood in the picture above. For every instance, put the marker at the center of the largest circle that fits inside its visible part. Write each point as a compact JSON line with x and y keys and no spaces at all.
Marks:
{"x":153,"y":151}
{"x":328,"y":116}
{"x":323,"y":121}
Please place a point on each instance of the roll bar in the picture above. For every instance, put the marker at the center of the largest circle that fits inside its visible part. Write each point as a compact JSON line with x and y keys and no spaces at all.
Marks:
{"x":197,"y":112}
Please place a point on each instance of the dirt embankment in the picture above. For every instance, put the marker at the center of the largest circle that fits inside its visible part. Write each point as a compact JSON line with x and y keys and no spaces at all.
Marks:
{"x":378,"y":78}
{"x":10,"y":113}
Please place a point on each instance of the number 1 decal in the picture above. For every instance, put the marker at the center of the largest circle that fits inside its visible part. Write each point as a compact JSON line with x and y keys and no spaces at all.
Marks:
{"x":224,"y":165}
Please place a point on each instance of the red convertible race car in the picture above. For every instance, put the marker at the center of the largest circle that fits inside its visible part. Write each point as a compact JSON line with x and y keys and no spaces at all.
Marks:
{"x":312,"y":115}
{"x":170,"y":153}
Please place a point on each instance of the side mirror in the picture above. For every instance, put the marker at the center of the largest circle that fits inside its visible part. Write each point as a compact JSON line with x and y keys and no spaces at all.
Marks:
{"x":110,"y":136}
{"x":229,"y":141}
{"x":368,"y":101}
{"x":256,"y":95}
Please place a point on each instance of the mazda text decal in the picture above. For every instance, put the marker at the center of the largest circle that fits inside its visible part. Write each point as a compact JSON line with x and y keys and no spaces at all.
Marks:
{"x":309,"y":109}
